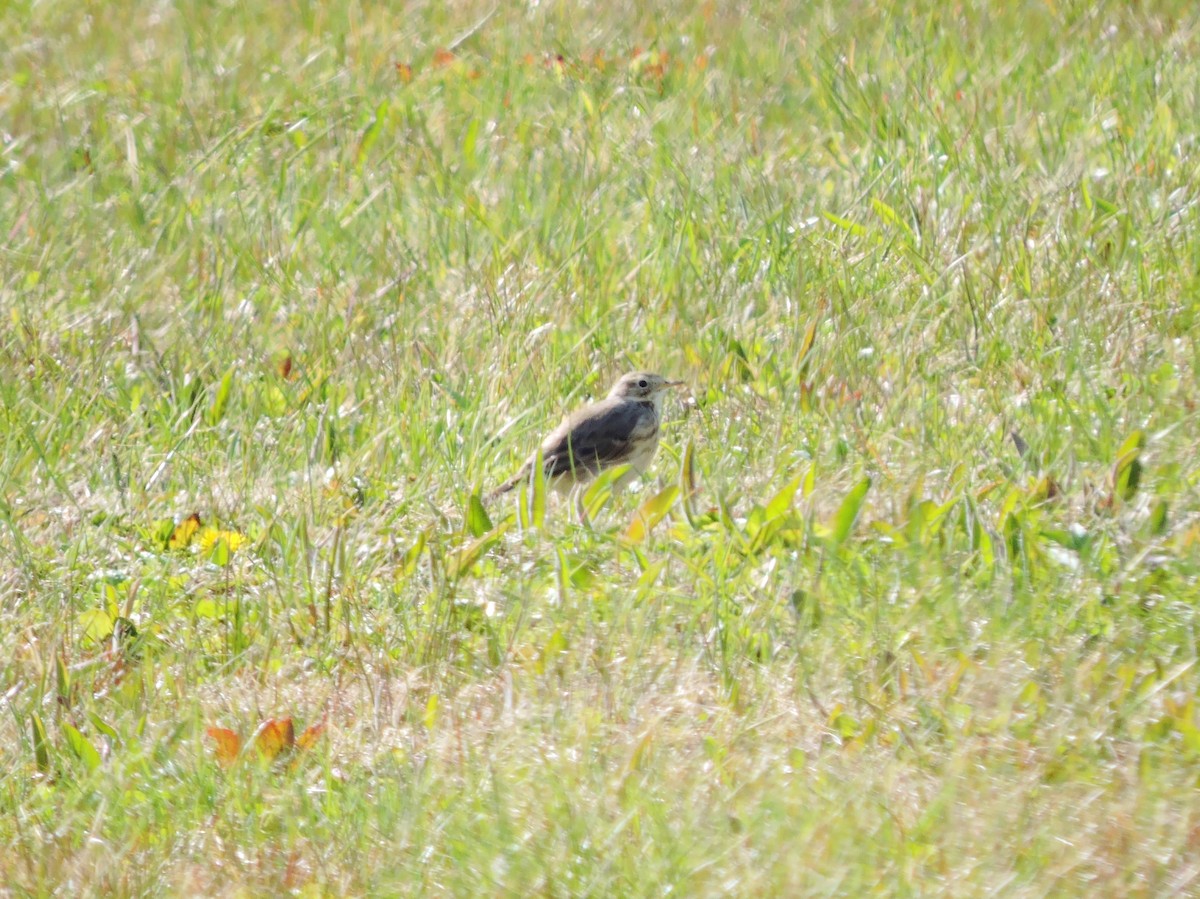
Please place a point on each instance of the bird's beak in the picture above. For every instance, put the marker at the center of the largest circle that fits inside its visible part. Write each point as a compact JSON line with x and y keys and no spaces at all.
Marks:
{"x":674,"y":384}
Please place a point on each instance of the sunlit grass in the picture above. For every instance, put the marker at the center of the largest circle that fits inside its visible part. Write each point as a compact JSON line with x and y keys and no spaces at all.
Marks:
{"x":920,"y":616}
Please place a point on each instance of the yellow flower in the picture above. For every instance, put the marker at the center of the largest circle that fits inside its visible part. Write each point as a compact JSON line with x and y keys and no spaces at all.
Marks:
{"x":209,"y":536}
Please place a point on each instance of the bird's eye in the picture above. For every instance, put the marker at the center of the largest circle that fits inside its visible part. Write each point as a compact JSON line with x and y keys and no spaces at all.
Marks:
{"x":642,"y":383}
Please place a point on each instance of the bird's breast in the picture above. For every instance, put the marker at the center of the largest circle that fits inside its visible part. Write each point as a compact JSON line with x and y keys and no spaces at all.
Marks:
{"x":643,"y":454}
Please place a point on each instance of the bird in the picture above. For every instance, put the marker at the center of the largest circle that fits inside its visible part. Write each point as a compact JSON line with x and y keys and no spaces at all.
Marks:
{"x":620,"y":429}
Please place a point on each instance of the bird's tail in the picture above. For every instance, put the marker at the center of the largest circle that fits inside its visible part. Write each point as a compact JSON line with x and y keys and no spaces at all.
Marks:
{"x":507,"y":485}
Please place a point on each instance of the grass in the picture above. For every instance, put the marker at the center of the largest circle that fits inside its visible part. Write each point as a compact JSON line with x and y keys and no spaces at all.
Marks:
{"x":299,"y":271}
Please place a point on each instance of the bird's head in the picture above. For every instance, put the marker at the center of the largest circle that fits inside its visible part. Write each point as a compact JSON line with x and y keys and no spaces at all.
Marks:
{"x":643,"y":385}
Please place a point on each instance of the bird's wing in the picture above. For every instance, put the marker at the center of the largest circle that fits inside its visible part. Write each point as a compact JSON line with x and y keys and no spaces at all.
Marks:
{"x":597,"y":437}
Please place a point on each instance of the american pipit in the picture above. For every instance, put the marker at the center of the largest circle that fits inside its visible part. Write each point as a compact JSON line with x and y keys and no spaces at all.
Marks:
{"x":621,"y":429}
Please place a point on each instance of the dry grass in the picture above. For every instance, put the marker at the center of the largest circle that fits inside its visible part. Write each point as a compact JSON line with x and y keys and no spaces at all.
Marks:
{"x":294,"y":270}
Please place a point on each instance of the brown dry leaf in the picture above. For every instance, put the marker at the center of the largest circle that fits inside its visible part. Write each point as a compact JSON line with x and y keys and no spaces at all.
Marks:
{"x":275,"y":736}
{"x":405,"y":72}
{"x":229,"y":745}
{"x":310,"y":735}
{"x":185,"y":531}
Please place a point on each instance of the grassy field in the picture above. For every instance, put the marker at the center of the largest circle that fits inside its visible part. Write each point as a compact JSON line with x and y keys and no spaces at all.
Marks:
{"x":907,"y":604}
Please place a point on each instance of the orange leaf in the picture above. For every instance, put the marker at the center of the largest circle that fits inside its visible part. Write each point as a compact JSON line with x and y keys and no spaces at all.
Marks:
{"x":404,"y":70}
{"x":184,"y":531}
{"x":306,"y":739}
{"x":228,"y":745}
{"x":276,"y":735}
{"x":442,"y":57}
